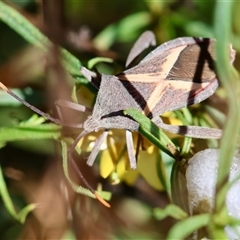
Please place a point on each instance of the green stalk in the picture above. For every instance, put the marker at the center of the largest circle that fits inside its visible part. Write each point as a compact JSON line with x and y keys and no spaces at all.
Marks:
{"x":230,"y":82}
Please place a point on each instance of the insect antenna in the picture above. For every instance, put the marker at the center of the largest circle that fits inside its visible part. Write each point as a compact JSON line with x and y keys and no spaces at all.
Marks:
{"x":72,"y":148}
{"x":70,"y":152}
{"x":38,"y":111}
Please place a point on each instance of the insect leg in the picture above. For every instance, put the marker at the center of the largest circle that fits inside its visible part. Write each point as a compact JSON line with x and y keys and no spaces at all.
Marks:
{"x":130,"y":149}
{"x":96,"y":148}
{"x":190,"y":131}
{"x":67,"y":104}
{"x":72,"y":105}
{"x":70,"y":152}
{"x":146,"y":40}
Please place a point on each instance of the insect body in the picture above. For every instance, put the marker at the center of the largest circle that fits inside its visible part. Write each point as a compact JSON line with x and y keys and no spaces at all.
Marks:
{"x":176,"y":74}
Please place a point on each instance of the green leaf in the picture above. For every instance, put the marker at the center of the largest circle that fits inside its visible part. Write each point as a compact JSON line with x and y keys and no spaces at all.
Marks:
{"x":235,"y":222}
{"x":33,"y":121}
{"x":199,"y":29}
{"x":187,"y":226}
{"x":25,"y":211}
{"x":33,"y":128}
{"x":186,"y":118}
{"x":124,"y":30}
{"x":43,"y":131}
{"x":31,"y":34}
{"x":7,"y":201}
{"x":166,"y":168}
{"x":131,"y":24}
{"x":214,"y":113}
{"x":96,"y":60}
{"x":186,"y":146}
{"x":171,"y":210}
{"x":161,"y":173}
{"x":225,"y":189}
{"x":153,"y":133}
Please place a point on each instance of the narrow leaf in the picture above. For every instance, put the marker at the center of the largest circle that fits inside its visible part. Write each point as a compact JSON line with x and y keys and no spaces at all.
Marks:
{"x":187,"y":226}
{"x":7,"y":201}
{"x":96,"y":60}
{"x":153,"y":133}
{"x":16,"y":133}
{"x":170,"y":211}
{"x":230,"y":82}
{"x":31,"y":34}
{"x":25,"y":211}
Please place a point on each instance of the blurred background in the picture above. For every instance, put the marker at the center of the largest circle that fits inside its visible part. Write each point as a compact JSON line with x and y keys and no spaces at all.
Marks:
{"x":30,"y":154}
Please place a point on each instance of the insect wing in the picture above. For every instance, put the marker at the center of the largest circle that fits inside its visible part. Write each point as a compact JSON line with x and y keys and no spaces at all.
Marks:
{"x":176,"y":74}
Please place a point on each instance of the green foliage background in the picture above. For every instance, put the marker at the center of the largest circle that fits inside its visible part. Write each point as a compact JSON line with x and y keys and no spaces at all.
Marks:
{"x":30,"y":153}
